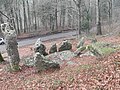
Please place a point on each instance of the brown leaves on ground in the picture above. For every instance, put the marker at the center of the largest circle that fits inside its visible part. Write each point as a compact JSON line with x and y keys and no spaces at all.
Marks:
{"x":89,"y":74}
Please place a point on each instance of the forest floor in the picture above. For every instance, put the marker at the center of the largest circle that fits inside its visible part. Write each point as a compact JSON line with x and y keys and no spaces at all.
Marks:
{"x":90,"y":73}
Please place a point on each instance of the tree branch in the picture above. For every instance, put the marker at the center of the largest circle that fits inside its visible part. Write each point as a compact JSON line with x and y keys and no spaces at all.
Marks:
{"x":75,"y":3}
{"x":4,"y":15}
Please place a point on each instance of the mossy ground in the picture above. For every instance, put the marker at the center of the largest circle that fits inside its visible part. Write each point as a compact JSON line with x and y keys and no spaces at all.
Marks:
{"x":105,"y":48}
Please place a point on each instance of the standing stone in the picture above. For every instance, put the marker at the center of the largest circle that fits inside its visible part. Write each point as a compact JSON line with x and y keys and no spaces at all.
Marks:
{"x":79,"y":50}
{"x":65,"y":46}
{"x":42,"y":64}
{"x":53,"y":49}
{"x":40,"y":47}
{"x":81,"y":42}
{"x":11,"y":45}
{"x":94,"y":40}
{"x":1,"y":58}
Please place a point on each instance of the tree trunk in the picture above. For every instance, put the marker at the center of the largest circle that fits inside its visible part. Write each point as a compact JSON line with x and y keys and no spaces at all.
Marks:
{"x":35,"y":15}
{"x":21,"y":26}
{"x":56,"y":21}
{"x":1,"y":19}
{"x":56,"y":15}
{"x":110,"y":11}
{"x":78,"y":4}
{"x":99,"y":30}
{"x":63,"y":16}
{"x":28,"y":10}
{"x":25,"y":17}
{"x":60,"y":18}
{"x":69,"y":15}
{"x":79,"y":21}
{"x":12,"y":15}
{"x":17,"y":21}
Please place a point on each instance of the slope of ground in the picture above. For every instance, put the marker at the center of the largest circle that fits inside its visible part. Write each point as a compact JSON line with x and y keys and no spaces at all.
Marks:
{"x":89,"y":73}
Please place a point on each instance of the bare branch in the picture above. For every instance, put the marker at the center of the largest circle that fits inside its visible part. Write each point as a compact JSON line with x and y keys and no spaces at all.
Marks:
{"x":4,"y":14}
{"x":75,"y":3}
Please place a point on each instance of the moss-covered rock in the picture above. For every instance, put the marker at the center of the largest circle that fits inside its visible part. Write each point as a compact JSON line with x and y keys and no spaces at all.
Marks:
{"x":42,"y":64}
{"x":94,"y":50}
{"x":60,"y":57}
{"x":29,"y":61}
{"x":65,"y":46}
{"x":102,"y":48}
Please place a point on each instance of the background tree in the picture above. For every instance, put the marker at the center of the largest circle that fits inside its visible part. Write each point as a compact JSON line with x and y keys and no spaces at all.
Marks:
{"x":98,"y":16}
{"x":78,"y":4}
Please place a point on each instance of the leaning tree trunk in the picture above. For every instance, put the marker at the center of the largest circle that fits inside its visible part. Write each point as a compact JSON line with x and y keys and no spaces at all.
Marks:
{"x":11,"y":45}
